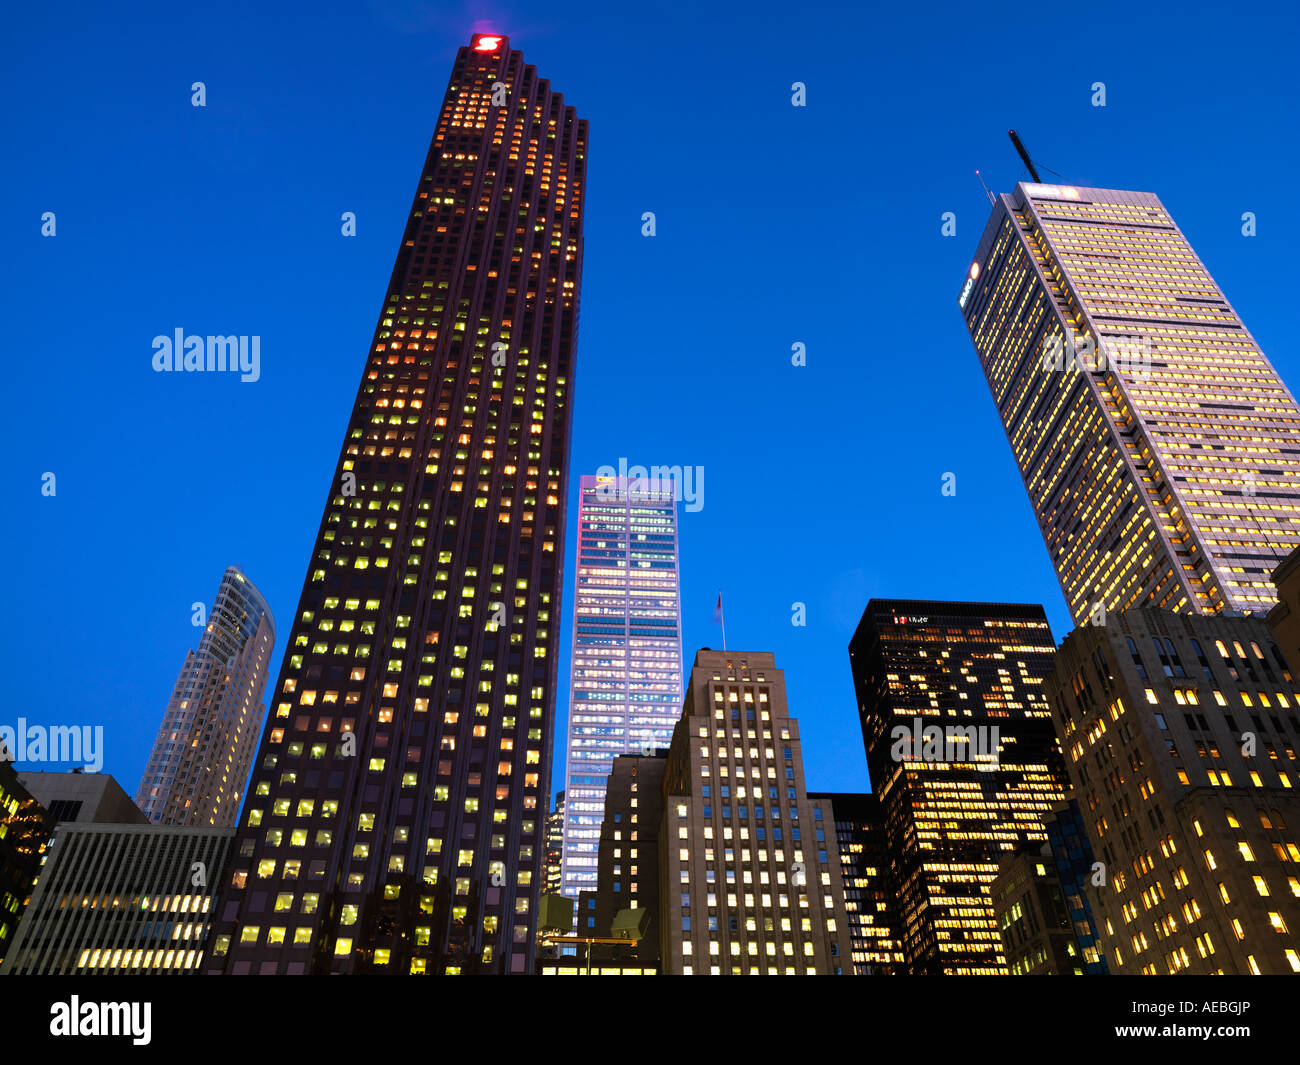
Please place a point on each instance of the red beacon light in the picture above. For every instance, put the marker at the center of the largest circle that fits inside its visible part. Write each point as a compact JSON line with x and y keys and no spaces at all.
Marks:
{"x":487,"y":43}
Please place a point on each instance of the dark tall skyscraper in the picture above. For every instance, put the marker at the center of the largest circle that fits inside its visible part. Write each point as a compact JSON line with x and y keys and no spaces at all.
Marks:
{"x":395,"y":818}
{"x":963,"y":754}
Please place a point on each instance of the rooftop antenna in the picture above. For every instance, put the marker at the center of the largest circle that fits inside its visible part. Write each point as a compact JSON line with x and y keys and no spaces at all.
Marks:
{"x":992,"y":201}
{"x":1024,"y":156}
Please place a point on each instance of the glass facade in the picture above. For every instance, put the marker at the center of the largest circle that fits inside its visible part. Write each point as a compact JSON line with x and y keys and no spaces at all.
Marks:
{"x":963,"y":755}
{"x":626,"y":680}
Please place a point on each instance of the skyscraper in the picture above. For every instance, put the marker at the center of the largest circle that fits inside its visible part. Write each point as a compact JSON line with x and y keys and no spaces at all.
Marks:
{"x":1166,"y":472}
{"x":204,"y":749}
{"x":627,"y":877}
{"x":962,"y":752}
{"x":1181,"y":738}
{"x":554,"y":845}
{"x":749,"y":866}
{"x":869,"y":898}
{"x":396,"y":821}
{"x":625,"y":689}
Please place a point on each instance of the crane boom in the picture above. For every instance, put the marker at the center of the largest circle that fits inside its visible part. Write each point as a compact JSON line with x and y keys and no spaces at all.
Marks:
{"x":1024,"y":156}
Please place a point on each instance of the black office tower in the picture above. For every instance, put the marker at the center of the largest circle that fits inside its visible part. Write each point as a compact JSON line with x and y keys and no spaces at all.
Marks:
{"x":964,"y":757}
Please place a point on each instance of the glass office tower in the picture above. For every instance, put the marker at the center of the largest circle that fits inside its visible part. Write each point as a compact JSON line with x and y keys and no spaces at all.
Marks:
{"x":962,"y":752}
{"x":626,"y":680}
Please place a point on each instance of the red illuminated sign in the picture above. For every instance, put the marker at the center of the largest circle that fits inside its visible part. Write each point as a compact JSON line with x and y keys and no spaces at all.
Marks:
{"x":487,"y":44}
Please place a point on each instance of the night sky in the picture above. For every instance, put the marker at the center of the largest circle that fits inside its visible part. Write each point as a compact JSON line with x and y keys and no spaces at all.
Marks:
{"x":776,"y":225}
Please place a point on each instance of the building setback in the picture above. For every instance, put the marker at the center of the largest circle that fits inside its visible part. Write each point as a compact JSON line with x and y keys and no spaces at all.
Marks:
{"x":82,"y":798}
{"x":749,"y":865}
{"x":1180,"y":733}
{"x":204,"y":749}
{"x":625,"y":688}
{"x":868,"y":892}
{"x":962,"y":753}
{"x":122,"y":899}
{"x":399,"y":795}
{"x":1167,"y":471}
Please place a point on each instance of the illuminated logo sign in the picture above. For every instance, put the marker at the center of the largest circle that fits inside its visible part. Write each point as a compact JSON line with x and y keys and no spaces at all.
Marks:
{"x":1053,"y":192}
{"x":970,"y":284}
{"x":909,"y":619}
{"x":487,"y":44}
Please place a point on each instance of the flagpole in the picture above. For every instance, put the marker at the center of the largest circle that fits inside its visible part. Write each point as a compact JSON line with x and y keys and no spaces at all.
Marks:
{"x":722,"y":618}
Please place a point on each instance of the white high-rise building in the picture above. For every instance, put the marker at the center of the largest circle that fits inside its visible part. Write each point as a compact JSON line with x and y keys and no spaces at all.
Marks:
{"x":204,"y":750}
{"x":625,"y":685}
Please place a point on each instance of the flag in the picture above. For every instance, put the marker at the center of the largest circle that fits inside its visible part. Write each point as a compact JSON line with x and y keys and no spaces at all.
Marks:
{"x":717,"y":611}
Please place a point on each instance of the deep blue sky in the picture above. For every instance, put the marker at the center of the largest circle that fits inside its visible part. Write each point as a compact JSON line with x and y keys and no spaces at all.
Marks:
{"x":775,"y":225}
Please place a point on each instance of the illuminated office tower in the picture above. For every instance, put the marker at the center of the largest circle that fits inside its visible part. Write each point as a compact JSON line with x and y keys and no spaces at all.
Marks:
{"x":554,"y":845}
{"x":749,"y":866}
{"x":1181,"y":736}
{"x":963,"y":755}
{"x":625,"y":689}
{"x":868,"y":893}
{"x":396,"y":815}
{"x":627,"y":878}
{"x":1166,"y":472}
{"x":203,"y":752}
